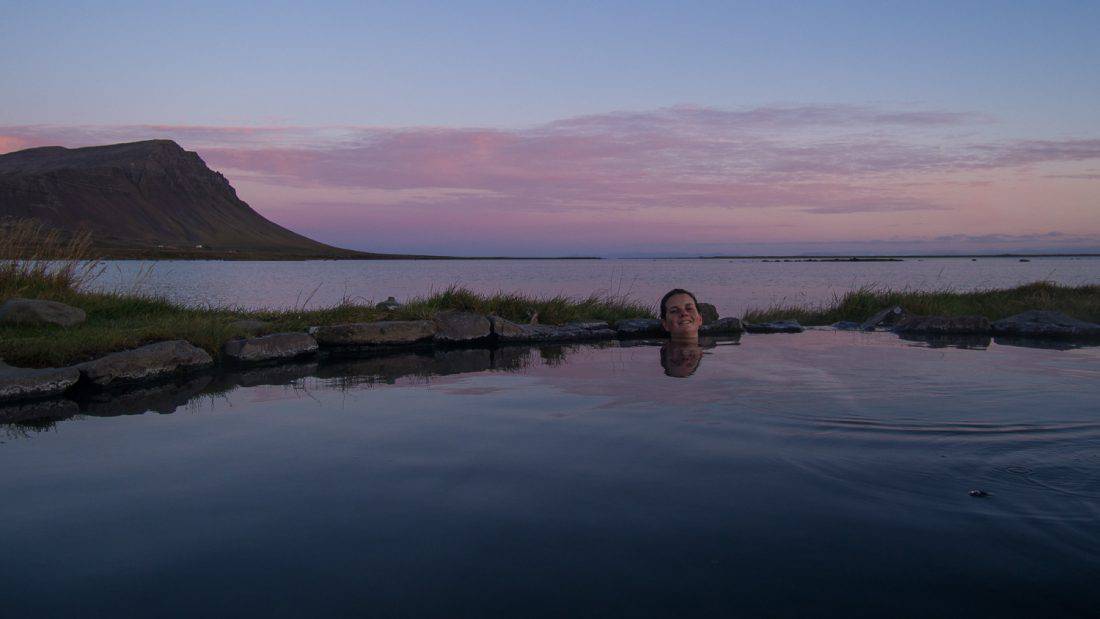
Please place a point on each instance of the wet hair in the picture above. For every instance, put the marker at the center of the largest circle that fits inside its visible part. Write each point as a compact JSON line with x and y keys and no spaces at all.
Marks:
{"x":673,"y":292}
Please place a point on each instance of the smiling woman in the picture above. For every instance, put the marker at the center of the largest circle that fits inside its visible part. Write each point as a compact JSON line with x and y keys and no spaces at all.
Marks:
{"x":680,"y":316}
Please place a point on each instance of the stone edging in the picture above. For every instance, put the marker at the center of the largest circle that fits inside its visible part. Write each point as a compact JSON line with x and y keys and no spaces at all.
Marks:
{"x":462,"y":329}
{"x":446,"y":330}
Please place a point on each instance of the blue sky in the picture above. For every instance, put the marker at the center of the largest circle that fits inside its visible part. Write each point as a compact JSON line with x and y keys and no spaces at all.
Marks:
{"x":1034,"y":65}
{"x":537,"y":113}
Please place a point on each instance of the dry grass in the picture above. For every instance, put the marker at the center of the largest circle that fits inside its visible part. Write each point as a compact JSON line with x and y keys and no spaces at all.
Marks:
{"x":1081,"y":302}
{"x":36,"y":260}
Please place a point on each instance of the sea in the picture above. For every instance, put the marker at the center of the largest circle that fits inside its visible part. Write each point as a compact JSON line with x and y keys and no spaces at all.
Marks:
{"x":732,"y":285}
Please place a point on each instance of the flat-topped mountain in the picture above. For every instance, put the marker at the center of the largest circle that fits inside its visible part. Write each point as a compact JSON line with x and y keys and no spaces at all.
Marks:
{"x":146,"y":199}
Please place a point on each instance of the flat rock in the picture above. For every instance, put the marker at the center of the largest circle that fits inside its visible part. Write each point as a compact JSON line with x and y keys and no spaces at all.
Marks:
{"x":381,"y":333}
{"x":28,"y":383}
{"x":723,"y":325}
{"x":270,"y":347}
{"x":389,"y":304}
{"x":508,"y":331}
{"x":575,"y":331}
{"x":885,"y":318}
{"x":847,"y":325}
{"x":40,"y":312}
{"x":589,"y":325}
{"x":151,"y":361}
{"x":461,"y":327}
{"x":776,"y":326}
{"x":943,"y":325}
{"x":708,"y":312}
{"x":505,"y":329}
{"x":639,"y":327}
{"x":1042,"y":323}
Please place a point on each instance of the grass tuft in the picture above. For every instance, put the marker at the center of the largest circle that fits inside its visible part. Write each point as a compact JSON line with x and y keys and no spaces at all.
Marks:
{"x":36,"y":261}
{"x":1082,"y":302}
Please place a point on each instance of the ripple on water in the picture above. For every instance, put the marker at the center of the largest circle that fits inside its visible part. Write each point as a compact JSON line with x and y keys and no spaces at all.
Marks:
{"x":1046,"y":474}
{"x":905,"y":430}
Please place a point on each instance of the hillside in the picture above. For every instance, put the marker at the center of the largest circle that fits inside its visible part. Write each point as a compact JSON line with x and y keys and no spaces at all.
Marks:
{"x":150,"y":199}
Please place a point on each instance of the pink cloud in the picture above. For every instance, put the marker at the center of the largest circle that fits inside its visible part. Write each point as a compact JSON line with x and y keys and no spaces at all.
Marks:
{"x":11,"y":143}
{"x":1040,"y":151}
{"x":810,"y":172}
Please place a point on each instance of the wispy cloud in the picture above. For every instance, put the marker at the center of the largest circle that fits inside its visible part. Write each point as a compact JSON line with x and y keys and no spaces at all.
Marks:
{"x":1043,"y":237}
{"x":1085,"y":176}
{"x":1041,"y":151}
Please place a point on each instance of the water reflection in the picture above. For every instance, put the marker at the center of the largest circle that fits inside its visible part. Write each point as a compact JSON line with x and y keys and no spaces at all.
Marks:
{"x":21,"y":418}
{"x":164,"y":398}
{"x":982,"y":342}
{"x":677,"y":360}
{"x":786,"y":468}
{"x":1044,"y":343}
{"x":682,"y":359}
{"x":341,"y":373}
{"x":963,"y":341}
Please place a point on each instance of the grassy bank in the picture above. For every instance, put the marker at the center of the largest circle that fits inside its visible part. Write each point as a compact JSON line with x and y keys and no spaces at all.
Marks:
{"x":121,"y":321}
{"x":38,"y":263}
{"x":117,"y":321}
{"x":49,"y":267}
{"x":1082,"y":302}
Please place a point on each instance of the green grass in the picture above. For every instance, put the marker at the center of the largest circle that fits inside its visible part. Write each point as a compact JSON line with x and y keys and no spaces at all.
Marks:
{"x":1082,"y":302}
{"x":38,"y":264}
{"x":121,"y":321}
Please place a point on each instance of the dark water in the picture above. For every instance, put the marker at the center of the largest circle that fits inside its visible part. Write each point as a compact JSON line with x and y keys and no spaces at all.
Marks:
{"x":732,"y":285}
{"x":789,"y":475}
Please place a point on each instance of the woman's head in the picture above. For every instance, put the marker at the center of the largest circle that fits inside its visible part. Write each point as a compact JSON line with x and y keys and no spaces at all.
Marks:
{"x":679,"y":314}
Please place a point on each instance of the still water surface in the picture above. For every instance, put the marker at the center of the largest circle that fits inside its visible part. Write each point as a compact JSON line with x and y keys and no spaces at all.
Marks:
{"x":822,"y":473}
{"x":732,"y":285}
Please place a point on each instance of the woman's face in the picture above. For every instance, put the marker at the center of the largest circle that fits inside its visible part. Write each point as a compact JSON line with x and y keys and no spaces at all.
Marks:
{"x":682,"y":320}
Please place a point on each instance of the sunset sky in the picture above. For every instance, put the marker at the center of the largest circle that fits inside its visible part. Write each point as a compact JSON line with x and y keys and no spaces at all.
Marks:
{"x":624,"y":130}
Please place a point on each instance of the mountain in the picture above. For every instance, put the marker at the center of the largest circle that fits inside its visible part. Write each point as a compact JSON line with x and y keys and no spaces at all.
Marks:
{"x":149,"y":199}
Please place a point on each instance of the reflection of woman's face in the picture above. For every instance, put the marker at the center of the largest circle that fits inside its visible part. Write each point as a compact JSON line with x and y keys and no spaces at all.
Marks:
{"x":681,"y":360}
{"x":682,"y":320}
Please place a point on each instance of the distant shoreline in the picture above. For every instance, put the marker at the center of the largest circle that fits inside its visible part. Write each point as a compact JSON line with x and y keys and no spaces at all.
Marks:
{"x":886,"y":257}
{"x":234,"y":257}
{"x":282,"y":258}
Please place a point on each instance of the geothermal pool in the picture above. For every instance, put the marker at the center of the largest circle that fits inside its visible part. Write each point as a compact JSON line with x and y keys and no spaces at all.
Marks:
{"x":782,"y":475}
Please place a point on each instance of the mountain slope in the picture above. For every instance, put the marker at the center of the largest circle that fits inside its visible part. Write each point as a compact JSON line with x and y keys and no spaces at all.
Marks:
{"x":149,"y":198}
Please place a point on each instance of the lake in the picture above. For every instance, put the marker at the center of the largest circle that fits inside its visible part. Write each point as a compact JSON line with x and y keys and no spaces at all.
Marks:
{"x":822,"y":473}
{"x":732,"y":285}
